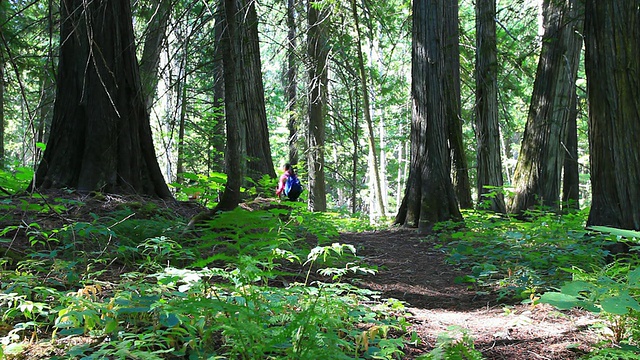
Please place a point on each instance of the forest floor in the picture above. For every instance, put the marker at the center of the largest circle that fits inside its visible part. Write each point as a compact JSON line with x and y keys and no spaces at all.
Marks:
{"x":414,"y":271}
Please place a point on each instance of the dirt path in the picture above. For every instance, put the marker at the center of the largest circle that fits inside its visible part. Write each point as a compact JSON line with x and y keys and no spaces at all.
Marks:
{"x":414,"y":271}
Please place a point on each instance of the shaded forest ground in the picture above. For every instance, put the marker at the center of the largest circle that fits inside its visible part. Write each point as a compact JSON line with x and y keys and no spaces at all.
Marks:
{"x":410,"y":268}
{"x":415,"y":272}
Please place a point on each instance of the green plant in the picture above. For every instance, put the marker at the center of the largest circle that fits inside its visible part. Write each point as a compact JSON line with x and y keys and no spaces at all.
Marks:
{"x":16,"y":181}
{"x":612,"y":292}
{"x":622,"y":353}
{"x":455,"y":344}
{"x":520,"y":258}
{"x":199,"y":187}
{"x":238,"y":299}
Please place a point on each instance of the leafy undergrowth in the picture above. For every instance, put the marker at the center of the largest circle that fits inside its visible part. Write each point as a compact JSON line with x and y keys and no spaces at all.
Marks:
{"x":110,"y":277}
{"x":94,"y":277}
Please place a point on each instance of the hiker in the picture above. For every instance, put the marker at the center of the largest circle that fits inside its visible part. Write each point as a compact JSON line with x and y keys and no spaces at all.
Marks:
{"x":289,"y":184}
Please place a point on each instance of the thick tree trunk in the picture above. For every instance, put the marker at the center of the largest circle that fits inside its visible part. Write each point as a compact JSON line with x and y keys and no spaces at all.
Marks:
{"x":430,"y":196}
{"x":486,"y":110}
{"x":375,"y":173}
{"x":251,"y":94}
{"x":292,"y":82}
{"x":539,"y":168}
{"x":451,"y":50}
{"x":100,"y":136}
{"x":612,"y":38}
{"x":318,"y":80}
{"x":234,"y":151}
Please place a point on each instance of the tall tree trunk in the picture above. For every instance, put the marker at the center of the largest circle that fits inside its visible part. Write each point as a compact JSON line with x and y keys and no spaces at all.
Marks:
{"x":2,"y":151}
{"x":182,"y":100}
{"x":318,"y":52}
{"x":571,"y":171}
{"x":217,"y":163}
{"x":375,"y":173}
{"x":355,"y":139}
{"x":100,"y":137}
{"x":292,"y":82}
{"x":451,"y":50}
{"x":430,"y":196}
{"x":539,"y":167}
{"x":234,"y":150}
{"x":251,"y":94}
{"x":154,"y":39}
{"x":486,"y":110}
{"x":612,"y":38}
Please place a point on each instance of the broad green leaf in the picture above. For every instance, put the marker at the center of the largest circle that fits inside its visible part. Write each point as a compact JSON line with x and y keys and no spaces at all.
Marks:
{"x":574,"y":288}
{"x":620,"y":304}
{"x":634,"y":277}
{"x":169,"y":320}
{"x":110,"y":326}
{"x":560,"y":300}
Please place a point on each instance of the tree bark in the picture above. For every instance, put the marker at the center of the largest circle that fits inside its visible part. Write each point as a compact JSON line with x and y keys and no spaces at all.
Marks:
{"x":375,"y":173}
{"x":539,"y":168}
{"x":251,"y":94}
{"x":486,"y":110}
{"x":292,"y":82}
{"x":430,"y":196}
{"x":318,"y":52}
{"x":234,"y":150}
{"x":612,"y":38}
{"x":219,"y":143}
{"x":154,"y":40}
{"x":571,"y":171}
{"x":2,"y":151}
{"x":451,"y":51}
{"x":100,"y":137}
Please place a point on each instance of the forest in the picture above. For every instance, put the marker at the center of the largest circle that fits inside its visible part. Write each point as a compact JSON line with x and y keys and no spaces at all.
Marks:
{"x":470,"y":179}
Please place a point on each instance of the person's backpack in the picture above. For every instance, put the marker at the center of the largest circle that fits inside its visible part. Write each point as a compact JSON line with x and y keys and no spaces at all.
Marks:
{"x":292,"y":188}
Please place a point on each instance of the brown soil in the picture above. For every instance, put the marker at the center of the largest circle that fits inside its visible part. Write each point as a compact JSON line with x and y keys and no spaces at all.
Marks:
{"x":413,"y":270}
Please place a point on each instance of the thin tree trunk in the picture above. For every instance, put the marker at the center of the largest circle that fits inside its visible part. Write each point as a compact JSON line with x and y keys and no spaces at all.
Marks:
{"x":47,"y":98}
{"x":2,"y":151}
{"x":356,"y":153}
{"x":292,"y":83}
{"x":375,"y":174}
{"x":486,"y":110}
{"x":182,"y":86}
{"x":571,"y":171}
{"x":219,"y":142}
{"x":453,"y":105}
{"x":318,"y":81}
{"x":571,"y":176}
{"x":612,"y":38}
{"x":401,"y":172}
{"x":234,"y":155}
{"x":153,"y":44}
